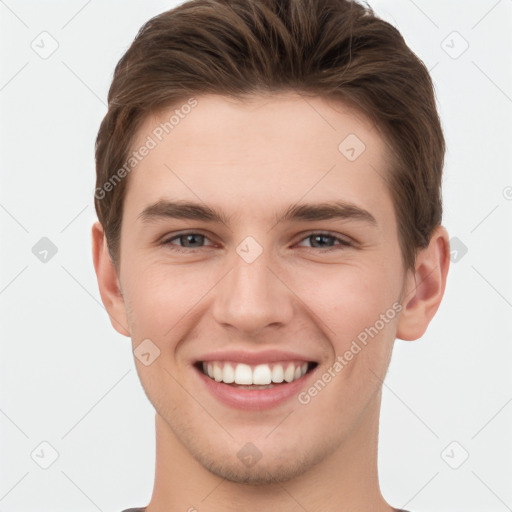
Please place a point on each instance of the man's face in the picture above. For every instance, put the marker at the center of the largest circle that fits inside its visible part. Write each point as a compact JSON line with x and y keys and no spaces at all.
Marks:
{"x":254,"y":291}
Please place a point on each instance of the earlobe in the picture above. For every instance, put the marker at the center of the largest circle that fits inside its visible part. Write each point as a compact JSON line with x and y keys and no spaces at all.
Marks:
{"x":108,"y":281}
{"x":425,"y":287}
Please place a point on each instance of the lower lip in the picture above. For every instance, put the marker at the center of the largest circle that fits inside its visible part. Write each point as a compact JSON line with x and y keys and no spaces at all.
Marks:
{"x":255,"y":399}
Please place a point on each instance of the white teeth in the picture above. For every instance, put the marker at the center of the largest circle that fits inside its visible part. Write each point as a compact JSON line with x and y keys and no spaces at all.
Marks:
{"x":217,"y":372}
{"x":228,"y":374}
{"x":259,"y":375}
{"x":243,"y":374}
{"x":289,"y":373}
{"x":262,"y":375}
{"x":278,"y":373}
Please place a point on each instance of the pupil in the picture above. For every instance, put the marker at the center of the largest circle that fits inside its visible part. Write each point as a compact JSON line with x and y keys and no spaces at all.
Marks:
{"x":319,"y":237}
{"x":191,"y":238}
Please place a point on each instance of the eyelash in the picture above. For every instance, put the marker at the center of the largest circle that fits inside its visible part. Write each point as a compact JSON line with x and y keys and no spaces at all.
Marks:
{"x":343,"y":243}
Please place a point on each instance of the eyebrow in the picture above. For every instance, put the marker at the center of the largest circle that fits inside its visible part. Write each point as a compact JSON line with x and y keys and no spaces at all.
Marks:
{"x":310,"y":212}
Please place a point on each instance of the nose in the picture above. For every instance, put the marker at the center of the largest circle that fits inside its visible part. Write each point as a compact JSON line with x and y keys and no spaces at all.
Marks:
{"x":253,"y":296}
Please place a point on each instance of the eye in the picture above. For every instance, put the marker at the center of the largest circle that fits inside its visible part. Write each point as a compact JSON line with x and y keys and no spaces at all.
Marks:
{"x":190,"y":241}
{"x":327,"y":240}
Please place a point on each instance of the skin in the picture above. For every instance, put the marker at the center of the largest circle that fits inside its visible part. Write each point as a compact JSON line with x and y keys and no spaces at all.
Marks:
{"x":253,"y":159}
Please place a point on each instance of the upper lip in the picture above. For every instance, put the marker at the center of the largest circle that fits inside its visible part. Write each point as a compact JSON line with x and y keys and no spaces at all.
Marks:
{"x":253,"y":358}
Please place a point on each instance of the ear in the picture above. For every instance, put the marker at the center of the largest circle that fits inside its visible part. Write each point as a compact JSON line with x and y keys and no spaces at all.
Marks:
{"x":424,"y":288}
{"x":108,"y":281}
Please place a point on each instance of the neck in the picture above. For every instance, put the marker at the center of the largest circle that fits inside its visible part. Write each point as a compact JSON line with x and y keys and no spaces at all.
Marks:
{"x":345,"y":480}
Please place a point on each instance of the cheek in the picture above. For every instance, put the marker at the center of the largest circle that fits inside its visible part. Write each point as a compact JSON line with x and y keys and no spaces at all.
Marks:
{"x":159,"y":296}
{"x":346,"y":298}
{"x":342,"y":299}
{"x":355,"y":305}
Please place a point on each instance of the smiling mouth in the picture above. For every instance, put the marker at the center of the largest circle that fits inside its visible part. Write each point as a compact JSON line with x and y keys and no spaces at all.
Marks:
{"x":254,"y":377}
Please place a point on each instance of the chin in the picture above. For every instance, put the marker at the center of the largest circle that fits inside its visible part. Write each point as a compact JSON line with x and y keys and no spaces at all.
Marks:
{"x":261,"y":474}
{"x":274,"y":466}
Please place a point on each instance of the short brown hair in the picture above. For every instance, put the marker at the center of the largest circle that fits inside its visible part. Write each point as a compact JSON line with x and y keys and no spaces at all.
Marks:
{"x":327,"y":48}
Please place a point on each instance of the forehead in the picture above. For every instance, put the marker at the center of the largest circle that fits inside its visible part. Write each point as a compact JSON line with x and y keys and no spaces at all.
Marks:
{"x":259,"y":151}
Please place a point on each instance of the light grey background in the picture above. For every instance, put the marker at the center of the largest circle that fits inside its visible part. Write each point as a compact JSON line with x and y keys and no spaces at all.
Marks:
{"x":68,"y":379}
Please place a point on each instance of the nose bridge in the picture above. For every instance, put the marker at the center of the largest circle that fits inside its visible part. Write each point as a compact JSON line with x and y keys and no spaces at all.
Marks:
{"x":251,"y":296}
